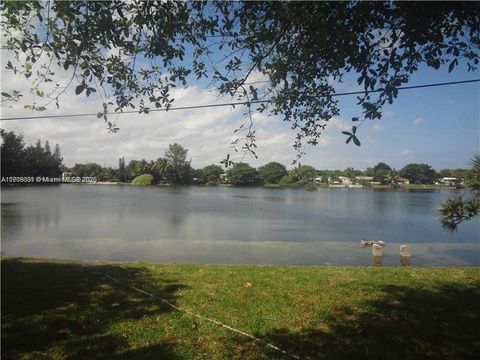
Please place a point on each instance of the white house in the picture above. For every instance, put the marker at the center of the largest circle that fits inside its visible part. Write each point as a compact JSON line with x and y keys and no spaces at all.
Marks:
{"x":364,"y":178}
{"x":450,"y":181}
{"x":345,"y":180}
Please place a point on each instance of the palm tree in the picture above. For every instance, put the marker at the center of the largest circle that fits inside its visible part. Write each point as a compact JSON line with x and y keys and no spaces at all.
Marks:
{"x":457,"y":210}
{"x":474,"y":178}
{"x":391,"y":177}
{"x":164,"y":167}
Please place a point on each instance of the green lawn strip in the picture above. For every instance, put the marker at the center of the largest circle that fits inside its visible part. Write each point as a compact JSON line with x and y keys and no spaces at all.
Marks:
{"x":60,"y":310}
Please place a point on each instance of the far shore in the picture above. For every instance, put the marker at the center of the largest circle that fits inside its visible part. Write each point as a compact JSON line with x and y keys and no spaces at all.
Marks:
{"x":306,"y":187}
{"x":297,"y":186}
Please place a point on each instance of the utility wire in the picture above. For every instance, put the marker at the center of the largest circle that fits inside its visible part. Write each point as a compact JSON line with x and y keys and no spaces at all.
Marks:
{"x":234,"y":103}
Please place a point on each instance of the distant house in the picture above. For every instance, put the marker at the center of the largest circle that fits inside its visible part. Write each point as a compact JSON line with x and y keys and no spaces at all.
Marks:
{"x":344,"y":180}
{"x":318,"y":180}
{"x":402,"y":181}
{"x":450,"y":181}
{"x":364,"y":178}
{"x":223,"y":178}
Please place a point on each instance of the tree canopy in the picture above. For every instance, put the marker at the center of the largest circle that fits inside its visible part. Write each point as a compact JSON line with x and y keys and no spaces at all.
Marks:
{"x":419,"y":173}
{"x":381,"y":171}
{"x":272,"y":172}
{"x":89,"y":169}
{"x":177,"y":169}
{"x":302,"y":173}
{"x":33,"y":160}
{"x":242,"y":174}
{"x":211,"y":174}
{"x":131,"y":54}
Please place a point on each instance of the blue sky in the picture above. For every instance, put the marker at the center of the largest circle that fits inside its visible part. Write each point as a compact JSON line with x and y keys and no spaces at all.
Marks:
{"x":438,"y":126}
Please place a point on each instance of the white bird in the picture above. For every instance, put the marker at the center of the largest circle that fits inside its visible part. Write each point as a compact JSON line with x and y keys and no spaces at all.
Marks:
{"x":364,"y":242}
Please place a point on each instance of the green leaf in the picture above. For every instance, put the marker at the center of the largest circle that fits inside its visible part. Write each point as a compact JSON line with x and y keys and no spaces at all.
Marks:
{"x":355,"y":140}
{"x":6,"y":95}
{"x":99,"y":115}
{"x":79,"y":89}
{"x":348,"y":140}
{"x":347,"y":133}
{"x":452,"y":65}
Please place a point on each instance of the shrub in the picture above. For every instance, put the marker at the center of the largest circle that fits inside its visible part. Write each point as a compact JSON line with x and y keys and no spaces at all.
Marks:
{"x":144,"y":179}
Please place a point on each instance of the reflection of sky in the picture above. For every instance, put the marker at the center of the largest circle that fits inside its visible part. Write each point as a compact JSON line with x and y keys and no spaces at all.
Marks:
{"x":205,"y":224}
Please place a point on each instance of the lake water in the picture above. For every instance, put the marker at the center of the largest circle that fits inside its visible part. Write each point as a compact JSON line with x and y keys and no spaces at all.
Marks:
{"x":231,"y":225}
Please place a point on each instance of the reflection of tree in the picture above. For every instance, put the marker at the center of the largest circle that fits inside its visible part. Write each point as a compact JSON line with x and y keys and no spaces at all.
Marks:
{"x":12,"y":221}
{"x":175,"y":221}
{"x":380,"y":201}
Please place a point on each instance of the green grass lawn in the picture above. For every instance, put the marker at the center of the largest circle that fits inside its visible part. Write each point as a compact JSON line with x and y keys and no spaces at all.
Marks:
{"x":61,"y":310}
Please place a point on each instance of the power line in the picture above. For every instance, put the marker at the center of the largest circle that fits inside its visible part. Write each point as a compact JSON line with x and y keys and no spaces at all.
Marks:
{"x":235,"y":103}
{"x":136,"y":111}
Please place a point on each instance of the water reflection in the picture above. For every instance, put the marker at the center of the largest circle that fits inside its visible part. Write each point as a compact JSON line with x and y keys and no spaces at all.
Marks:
{"x":377,"y":260}
{"x":221,"y":224}
{"x":45,"y":218}
{"x":175,"y":221}
{"x":405,"y":260}
{"x":11,"y":220}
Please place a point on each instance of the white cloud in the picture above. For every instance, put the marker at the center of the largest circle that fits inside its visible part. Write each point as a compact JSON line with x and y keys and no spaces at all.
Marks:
{"x":337,"y":123}
{"x":376,"y":128}
{"x":264,"y":118}
{"x":407,"y":152}
{"x":205,"y":132}
{"x":256,"y":77}
{"x":419,"y":120}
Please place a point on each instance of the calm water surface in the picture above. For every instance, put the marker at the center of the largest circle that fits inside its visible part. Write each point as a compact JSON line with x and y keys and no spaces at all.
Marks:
{"x":230,"y":225}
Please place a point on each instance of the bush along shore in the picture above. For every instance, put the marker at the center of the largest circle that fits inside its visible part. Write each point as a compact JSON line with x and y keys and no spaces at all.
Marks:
{"x":101,"y":310}
{"x":39,"y":161}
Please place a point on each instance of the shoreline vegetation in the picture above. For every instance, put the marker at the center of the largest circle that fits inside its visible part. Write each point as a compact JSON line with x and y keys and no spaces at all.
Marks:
{"x":308,"y":187}
{"x":301,"y":187}
{"x":73,"y":310}
{"x":32,"y":162}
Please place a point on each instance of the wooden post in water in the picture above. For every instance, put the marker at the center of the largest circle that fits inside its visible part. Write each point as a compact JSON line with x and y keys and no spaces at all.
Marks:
{"x":377,"y":250}
{"x":377,"y":260}
{"x":377,"y":253}
{"x":405,"y":255}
